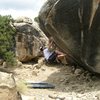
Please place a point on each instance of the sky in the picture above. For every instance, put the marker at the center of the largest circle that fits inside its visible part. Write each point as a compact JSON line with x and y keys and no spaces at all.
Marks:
{"x":18,"y":8}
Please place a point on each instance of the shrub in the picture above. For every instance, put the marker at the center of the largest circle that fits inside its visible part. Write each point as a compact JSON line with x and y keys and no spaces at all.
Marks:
{"x":7,"y":40}
{"x":36,"y":19}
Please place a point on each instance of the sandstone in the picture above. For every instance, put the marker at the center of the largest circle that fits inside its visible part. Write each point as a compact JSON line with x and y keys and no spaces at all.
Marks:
{"x":29,"y":39}
{"x":75,"y":27}
{"x":8,"y":89}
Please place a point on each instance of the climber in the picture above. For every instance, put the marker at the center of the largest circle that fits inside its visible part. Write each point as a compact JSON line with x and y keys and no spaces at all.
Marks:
{"x":52,"y":54}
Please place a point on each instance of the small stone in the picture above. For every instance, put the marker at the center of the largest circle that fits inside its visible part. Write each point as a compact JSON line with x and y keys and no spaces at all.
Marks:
{"x":73,"y":68}
{"x":43,"y":69}
{"x":62,"y":80}
{"x":56,"y":97}
{"x":40,"y":62}
{"x":34,"y":73}
{"x":70,"y":98}
{"x":19,"y":64}
{"x":60,"y":98}
{"x":98,"y":96}
{"x":4,"y":64}
{"x":28,"y":66}
{"x":78,"y":71}
{"x":36,"y":66}
{"x":52,"y":96}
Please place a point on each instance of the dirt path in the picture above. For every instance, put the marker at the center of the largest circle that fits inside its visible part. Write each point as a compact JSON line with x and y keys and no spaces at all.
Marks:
{"x":69,"y":84}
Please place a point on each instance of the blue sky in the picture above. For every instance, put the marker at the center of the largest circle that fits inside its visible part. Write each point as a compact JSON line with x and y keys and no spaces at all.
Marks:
{"x":17,"y":8}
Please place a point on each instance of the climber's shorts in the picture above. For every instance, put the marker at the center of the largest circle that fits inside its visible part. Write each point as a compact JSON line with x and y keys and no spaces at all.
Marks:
{"x":53,"y":57}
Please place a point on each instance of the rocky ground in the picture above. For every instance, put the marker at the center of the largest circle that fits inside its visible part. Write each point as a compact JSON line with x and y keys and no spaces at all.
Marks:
{"x":70,"y":83}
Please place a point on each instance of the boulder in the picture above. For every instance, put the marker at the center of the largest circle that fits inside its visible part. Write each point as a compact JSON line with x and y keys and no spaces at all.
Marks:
{"x":23,"y":19}
{"x":75,"y":27}
{"x":8,"y":89}
{"x":29,"y":39}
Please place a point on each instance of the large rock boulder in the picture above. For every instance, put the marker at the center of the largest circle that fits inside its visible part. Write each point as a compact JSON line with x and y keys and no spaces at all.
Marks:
{"x":29,"y":39}
{"x":23,"y":19}
{"x":8,"y":89}
{"x":75,"y":27}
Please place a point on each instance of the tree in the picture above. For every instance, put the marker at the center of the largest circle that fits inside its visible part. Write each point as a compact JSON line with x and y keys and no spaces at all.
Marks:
{"x":7,"y":41}
{"x":36,"y":19}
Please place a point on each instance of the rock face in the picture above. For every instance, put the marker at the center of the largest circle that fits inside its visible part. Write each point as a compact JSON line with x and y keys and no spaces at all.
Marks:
{"x":75,"y":27}
{"x":8,"y":87}
{"x":29,"y":39}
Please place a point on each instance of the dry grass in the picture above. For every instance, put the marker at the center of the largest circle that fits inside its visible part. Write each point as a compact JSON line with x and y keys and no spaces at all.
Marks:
{"x":21,"y":86}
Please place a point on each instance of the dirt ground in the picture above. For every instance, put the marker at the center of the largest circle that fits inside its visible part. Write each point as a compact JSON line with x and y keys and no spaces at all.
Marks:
{"x":70,"y":83}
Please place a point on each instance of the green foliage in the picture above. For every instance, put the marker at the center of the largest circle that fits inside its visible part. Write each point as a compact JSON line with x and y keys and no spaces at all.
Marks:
{"x":7,"y":33}
{"x":36,"y":19}
{"x":9,"y":57}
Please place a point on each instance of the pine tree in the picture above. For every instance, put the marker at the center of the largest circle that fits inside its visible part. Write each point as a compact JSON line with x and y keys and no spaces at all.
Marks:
{"x":7,"y":41}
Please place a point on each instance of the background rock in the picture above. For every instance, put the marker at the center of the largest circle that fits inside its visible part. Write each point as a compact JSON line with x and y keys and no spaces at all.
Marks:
{"x":29,"y":39}
{"x":23,"y":19}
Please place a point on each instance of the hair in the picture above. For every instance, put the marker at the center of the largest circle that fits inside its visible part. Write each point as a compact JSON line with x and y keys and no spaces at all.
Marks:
{"x":41,"y":48}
